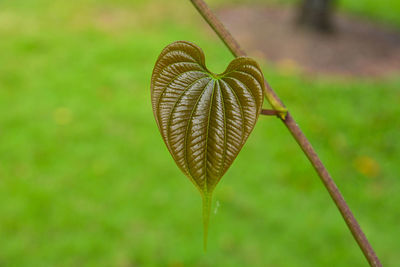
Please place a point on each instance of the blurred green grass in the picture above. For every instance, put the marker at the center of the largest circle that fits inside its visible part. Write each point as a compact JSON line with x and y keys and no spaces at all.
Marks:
{"x":85,"y":179}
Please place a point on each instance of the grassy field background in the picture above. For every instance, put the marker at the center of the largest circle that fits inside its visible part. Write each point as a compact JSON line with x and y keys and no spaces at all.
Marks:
{"x":85,"y":179}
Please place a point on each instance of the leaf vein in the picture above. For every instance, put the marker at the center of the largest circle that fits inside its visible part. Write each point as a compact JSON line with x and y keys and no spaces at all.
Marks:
{"x":186,"y":135}
{"x":240,"y":108}
{"x":206,"y":145}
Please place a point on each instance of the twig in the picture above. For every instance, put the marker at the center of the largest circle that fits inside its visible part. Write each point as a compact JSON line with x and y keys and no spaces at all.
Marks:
{"x":270,"y":112}
{"x":298,"y":135}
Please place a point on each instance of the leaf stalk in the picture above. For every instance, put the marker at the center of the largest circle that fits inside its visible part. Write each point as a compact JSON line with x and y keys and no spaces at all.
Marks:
{"x":207,"y":200}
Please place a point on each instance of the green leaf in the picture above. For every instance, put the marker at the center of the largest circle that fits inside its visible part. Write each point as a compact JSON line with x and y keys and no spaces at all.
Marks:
{"x":204,"y":118}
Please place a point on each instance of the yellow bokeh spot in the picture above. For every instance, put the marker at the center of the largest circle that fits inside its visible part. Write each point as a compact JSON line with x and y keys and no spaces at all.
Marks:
{"x":367,"y":166}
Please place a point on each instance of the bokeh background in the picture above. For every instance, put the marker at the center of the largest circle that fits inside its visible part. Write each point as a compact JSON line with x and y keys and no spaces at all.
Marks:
{"x":85,"y":179}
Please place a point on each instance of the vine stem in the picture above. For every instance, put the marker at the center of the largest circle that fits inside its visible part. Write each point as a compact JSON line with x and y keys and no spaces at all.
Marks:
{"x":270,"y":112}
{"x":300,"y":138}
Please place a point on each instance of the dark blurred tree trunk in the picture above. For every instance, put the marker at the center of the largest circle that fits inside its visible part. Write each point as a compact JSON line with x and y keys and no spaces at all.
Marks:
{"x":317,"y":15}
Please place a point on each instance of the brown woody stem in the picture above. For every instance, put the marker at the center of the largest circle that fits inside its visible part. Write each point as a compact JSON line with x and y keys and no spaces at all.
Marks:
{"x":298,"y":135}
{"x":270,"y":112}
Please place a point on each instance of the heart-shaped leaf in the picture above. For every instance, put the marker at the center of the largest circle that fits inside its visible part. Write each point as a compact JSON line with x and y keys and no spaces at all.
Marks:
{"x":204,"y":118}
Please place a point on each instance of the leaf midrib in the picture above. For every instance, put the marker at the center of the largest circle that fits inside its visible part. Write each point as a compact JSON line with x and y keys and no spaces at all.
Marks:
{"x":187,"y":130}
